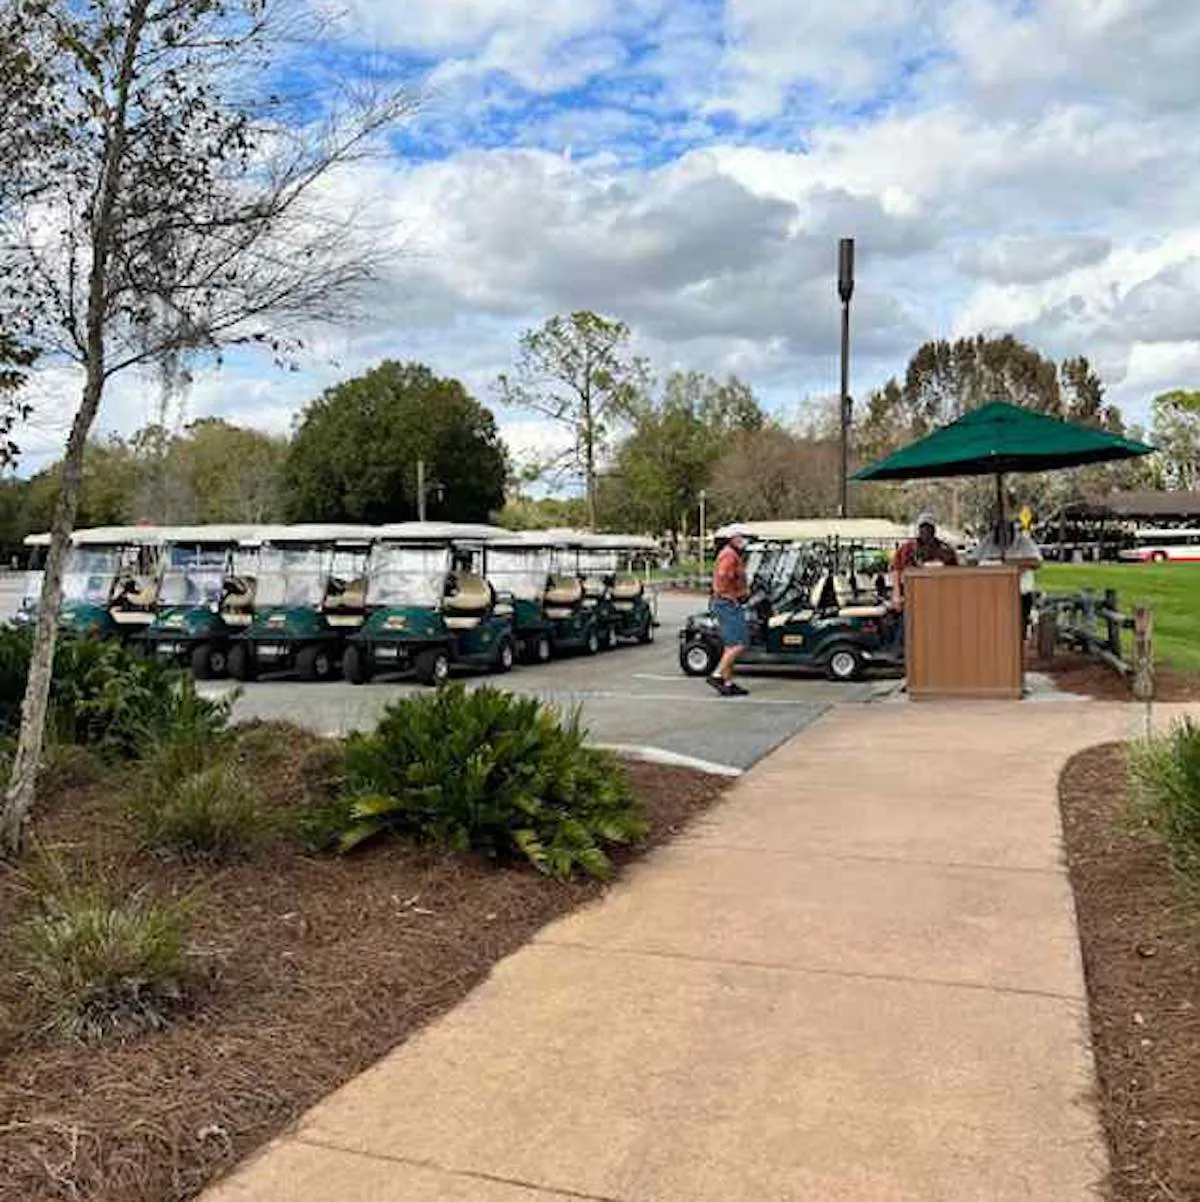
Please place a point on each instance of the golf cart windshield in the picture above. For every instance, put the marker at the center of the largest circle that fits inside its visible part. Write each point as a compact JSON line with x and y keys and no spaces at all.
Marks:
{"x":290,"y":576}
{"x":519,"y":572}
{"x":597,"y":563}
{"x":90,"y":574}
{"x":408,"y":575}
{"x":194,"y":576}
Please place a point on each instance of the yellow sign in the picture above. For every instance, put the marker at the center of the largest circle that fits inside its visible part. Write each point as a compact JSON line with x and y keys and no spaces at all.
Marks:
{"x":793,"y":640}
{"x":1026,"y":517}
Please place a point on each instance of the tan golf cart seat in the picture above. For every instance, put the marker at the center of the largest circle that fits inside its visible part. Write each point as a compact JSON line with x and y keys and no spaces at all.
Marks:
{"x":134,"y":606}
{"x":469,"y":603}
{"x":349,"y":606}
{"x":238,"y":606}
{"x":626,"y":592}
{"x":563,"y":596}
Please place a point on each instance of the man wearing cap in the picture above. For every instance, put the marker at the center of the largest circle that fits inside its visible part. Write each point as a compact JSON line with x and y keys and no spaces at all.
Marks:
{"x":917,"y":552}
{"x":729,"y":594}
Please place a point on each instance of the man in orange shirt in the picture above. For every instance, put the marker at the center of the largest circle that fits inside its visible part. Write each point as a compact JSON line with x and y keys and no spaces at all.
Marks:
{"x":729,"y":595}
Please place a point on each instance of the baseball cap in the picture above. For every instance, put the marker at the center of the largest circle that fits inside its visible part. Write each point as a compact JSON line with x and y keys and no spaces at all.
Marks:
{"x":925,"y":519}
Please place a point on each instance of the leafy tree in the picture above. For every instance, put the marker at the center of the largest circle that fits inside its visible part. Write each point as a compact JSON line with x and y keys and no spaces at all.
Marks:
{"x":668,"y":458}
{"x":542,"y":513}
{"x":1176,"y":433}
{"x":575,"y":372}
{"x":184,"y":184}
{"x":773,"y":473}
{"x":354,"y":455}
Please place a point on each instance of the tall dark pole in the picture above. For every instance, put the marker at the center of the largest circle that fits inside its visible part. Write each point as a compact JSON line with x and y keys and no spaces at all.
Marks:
{"x":845,"y":291}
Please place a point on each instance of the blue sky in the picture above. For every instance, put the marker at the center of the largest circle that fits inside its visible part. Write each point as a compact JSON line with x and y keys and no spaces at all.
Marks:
{"x":1005,"y":165}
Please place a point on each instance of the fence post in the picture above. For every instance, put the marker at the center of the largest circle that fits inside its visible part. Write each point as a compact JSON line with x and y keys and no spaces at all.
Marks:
{"x":1114,"y":629}
{"x":1143,"y":654}
{"x":1047,"y":632}
{"x":1089,"y":619}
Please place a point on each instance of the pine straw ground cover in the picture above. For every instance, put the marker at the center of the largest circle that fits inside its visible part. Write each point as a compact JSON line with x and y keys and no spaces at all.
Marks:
{"x":1140,"y":929}
{"x":309,"y":970}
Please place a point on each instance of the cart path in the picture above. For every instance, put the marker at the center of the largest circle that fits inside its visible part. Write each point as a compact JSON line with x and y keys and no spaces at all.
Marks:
{"x":857,"y":978}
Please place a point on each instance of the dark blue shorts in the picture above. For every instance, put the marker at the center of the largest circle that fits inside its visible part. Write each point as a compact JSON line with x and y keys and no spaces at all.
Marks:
{"x":731,"y":622}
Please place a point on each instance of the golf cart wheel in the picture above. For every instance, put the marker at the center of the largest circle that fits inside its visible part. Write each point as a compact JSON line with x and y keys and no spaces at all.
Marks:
{"x":542,"y":649}
{"x":608,"y":640}
{"x":591,"y":645}
{"x":314,"y":663}
{"x":698,"y":659}
{"x":844,"y":663}
{"x":241,"y":662}
{"x":356,"y":667}
{"x":1158,"y":557}
{"x":646,"y":633}
{"x":432,"y":666}
{"x":202,"y":662}
{"x":506,"y":656}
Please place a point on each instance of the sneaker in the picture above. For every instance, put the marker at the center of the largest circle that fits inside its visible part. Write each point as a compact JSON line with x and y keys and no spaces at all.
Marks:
{"x":734,"y":690}
{"x":715,"y":682}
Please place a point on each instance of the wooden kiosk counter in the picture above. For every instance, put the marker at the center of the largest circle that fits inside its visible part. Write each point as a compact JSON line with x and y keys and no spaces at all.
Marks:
{"x":963,"y":632}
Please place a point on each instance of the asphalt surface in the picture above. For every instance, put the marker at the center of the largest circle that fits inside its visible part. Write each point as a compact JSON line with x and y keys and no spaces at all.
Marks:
{"x":633,"y":697}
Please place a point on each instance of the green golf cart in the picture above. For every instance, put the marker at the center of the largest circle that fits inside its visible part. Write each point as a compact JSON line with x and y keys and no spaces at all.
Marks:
{"x":613,"y":559}
{"x":807,"y":609}
{"x":429,"y":606}
{"x":110,"y":581}
{"x":205,"y":596}
{"x":518,"y":566}
{"x":309,"y":598}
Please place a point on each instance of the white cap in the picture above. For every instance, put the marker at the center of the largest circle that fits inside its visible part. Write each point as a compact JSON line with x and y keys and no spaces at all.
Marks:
{"x":925,"y":519}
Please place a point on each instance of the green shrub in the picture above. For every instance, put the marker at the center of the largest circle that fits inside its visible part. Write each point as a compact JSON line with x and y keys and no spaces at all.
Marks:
{"x":208,"y":815}
{"x":104,"y":695}
{"x":99,"y":960}
{"x":184,"y":734}
{"x":1165,"y":773}
{"x":491,"y":772}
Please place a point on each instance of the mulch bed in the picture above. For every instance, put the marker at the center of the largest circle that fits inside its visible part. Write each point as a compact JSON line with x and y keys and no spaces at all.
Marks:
{"x":1141,"y":947}
{"x":1073,"y":672}
{"x":313,"y":969}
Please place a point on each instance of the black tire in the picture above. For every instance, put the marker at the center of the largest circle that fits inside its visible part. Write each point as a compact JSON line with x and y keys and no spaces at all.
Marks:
{"x":315,"y":662}
{"x":506,"y":657}
{"x":202,"y":664}
{"x":699,"y":658}
{"x":646,"y":634}
{"x":433,"y":666}
{"x":844,"y":664}
{"x":608,"y":639}
{"x":543,"y":649}
{"x":356,"y":665}
{"x":1158,"y":557}
{"x":241,"y":662}
{"x":591,"y":642}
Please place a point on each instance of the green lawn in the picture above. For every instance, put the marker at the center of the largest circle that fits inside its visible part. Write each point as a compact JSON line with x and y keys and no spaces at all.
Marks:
{"x":1172,"y":592}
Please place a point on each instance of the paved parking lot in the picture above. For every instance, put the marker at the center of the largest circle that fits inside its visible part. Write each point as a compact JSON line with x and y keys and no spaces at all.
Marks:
{"x":632,"y":697}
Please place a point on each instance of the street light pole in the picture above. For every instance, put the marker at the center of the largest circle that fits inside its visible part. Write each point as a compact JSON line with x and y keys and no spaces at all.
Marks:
{"x":420,"y":490}
{"x":703,"y":529}
{"x":845,"y":292}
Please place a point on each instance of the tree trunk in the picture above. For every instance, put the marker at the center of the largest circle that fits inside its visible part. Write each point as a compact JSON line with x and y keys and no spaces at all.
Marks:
{"x":589,"y":457}
{"x":19,"y":799}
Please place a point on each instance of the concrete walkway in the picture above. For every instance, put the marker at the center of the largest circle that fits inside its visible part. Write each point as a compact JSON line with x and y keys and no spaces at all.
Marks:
{"x":857,"y":979}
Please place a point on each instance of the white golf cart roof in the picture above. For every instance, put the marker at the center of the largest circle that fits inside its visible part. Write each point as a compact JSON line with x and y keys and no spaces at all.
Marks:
{"x":310,"y":533}
{"x":582,"y":539}
{"x":620,"y":542}
{"x":37,"y":540}
{"x":440,"y":532}
{"x":209,"y":536}
{"x":122,"y":536}
{"x":817,"y":529}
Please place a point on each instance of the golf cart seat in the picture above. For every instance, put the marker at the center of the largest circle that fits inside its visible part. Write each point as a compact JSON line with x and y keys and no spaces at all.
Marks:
{"x":788,"y":617}
{"x":132,"y":594}
{"x":594,"y":589}
{"x":626,"y":592}
{"x":562,"y":598}
{"x":352,"y":596}
{"x":238,"y":607}
{"x":864,"y":610}
{"x":467,"y":601}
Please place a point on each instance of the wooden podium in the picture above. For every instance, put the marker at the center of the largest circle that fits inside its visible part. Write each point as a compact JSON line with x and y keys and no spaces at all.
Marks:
{"x":962,"y":633}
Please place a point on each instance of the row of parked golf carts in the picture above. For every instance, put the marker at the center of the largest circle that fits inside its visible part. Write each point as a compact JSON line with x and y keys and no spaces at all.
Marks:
{"x":359,"y":600}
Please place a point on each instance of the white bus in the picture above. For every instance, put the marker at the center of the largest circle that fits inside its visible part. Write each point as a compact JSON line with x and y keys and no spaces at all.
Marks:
{"x":1180,"y":544}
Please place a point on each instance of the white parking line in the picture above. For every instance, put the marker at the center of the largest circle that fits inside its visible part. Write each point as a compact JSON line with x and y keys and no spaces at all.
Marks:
{"x":657,"y":755}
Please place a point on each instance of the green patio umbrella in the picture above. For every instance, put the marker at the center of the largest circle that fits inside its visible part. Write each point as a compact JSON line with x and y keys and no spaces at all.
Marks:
{"x":998,"y":438}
